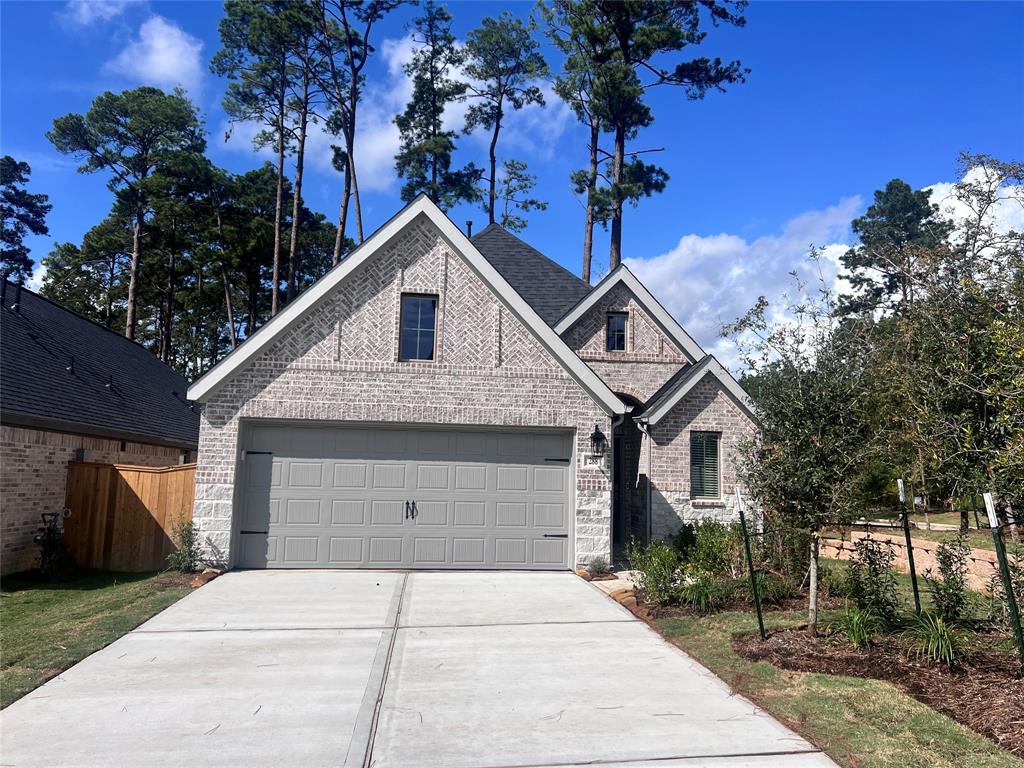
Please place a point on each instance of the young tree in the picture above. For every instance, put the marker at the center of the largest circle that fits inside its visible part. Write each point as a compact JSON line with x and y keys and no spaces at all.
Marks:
{"x":643,"y":32}
{"x":514,"y":188}
{"x":254,"y":54}
{"x":504,"y":63}
{"x":811,"y":399}
{"x":345,"y":28}
{"x":23,"y":212}
{"x":425,"y":157}
{"x":129,"y":135}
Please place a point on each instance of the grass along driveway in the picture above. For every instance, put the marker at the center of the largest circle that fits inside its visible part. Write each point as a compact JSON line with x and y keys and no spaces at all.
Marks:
{"x":46,"y":628}
{"x":860,"y":723}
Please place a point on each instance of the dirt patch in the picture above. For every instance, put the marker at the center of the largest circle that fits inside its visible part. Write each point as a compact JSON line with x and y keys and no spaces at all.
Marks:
{"x":173,"y":580}
{"x":798,"y":603}
{"x":984,"y":693}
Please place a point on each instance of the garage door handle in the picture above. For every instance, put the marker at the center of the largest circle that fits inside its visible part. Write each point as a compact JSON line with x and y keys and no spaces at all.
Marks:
{"x":407,"y":510}
{"x":556,"y":535}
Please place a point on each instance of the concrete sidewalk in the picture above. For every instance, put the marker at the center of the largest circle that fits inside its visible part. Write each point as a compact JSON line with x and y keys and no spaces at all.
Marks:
{"x":468,"y":670}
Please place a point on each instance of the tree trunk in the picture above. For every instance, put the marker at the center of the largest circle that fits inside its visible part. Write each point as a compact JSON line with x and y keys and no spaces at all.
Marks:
{"x":293,"y":246}
{"x":812,"y":606}
{"x":350,"y":147}
{"x":165,"y":342}
{"x":346,"y":192}
{"x":228,"y":308}
{"x":618,"y":162}
{"x":493,"y":159}
{"x":278,"y":205}
{"x":133,"y":278}
{"x":355,"y":195}
{"x":108,"y":309}
{"x":588,"y":227}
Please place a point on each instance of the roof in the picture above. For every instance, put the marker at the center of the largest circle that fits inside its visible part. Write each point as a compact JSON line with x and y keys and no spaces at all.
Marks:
{"x":114,"y":388}
{"x":622,"y":275}
{"x":422,"y":206}
{"x":548,"y":287}
{"x":684,"y":380}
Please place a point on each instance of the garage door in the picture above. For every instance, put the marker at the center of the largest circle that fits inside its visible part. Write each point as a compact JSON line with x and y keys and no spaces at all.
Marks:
{"x":378,"y":497}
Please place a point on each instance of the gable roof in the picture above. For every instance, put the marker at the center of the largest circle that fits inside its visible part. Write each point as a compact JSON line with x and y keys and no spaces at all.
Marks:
{"x":115,"y":388}
{"x":683,"y":381}
{"x":421,"y":206}
{"x":621,"y":275}
{"x":548,"y":287}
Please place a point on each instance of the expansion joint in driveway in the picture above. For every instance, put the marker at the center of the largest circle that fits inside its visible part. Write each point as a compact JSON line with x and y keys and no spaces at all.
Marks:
{"x":360,"y":751}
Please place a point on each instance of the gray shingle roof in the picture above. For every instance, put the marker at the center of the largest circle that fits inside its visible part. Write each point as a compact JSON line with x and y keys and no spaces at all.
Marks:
{"x":546,"y":286}
{"x":145,"y":400}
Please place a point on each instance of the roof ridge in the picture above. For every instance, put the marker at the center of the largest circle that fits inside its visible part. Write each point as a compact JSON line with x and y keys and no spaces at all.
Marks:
{"x":496,"y":226}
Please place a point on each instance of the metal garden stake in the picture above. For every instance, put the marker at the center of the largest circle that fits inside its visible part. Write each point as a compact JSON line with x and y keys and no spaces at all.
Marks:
{"x":755,"y":593}
{"x":1004,"y":570}
{"x":910,"y":545}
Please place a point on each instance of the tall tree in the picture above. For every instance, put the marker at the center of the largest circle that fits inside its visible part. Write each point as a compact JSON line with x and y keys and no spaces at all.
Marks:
{"x":504,"y":63}
{"x":642,"y":33}
{"x":23,"y":212}
{"x":254,"y":54}
{"x":899,"y":228}
{"x":346,"y":26}
{"x":424,"y":159}
{"x":129,"y":135}
{"x":514,"y":187}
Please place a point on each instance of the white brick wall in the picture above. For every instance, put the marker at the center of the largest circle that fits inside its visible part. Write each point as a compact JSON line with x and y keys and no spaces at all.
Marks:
{"x":340,"y":363}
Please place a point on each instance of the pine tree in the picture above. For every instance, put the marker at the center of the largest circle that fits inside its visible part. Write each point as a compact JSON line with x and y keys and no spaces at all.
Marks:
{"x":23,"y":212}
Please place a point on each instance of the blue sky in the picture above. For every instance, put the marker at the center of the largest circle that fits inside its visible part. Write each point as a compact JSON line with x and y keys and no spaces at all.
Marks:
{"x":842,"y":97}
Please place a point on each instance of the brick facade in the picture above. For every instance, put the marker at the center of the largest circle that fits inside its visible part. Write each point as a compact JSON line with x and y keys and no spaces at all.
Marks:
{"x":707,"y":408}
{"x":650,"y":357}
{"x":340,"y":364}
{"x":33,"y":475}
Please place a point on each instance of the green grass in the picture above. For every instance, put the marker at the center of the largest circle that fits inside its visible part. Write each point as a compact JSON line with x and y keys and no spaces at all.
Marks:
{"x":46,"y":628}
{"x":858,"y":722}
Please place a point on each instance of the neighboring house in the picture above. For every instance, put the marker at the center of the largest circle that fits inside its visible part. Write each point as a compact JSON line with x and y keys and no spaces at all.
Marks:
{"x":431,"y":403}
{"x":72,"y":390}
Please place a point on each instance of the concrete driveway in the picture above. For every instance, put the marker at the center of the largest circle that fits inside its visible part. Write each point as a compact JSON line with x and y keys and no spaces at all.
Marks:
{"x":386,"y":669}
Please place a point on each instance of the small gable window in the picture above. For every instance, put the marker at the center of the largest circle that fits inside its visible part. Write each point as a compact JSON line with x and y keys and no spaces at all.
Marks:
{"x":417,"y":327}
{"x":616,"y":336}
{"x":704,"y":482}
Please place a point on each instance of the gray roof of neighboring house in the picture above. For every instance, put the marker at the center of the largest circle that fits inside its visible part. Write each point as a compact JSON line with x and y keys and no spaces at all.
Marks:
{"x":549,"y":288}
{"x":115,"y":388}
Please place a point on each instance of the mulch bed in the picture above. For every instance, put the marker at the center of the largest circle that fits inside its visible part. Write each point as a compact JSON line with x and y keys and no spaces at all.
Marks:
{"x":739,"y":604}
{"x":174,"y":580}
{"x":984,"y":693}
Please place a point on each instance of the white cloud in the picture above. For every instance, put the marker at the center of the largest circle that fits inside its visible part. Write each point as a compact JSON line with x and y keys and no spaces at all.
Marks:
{"x":163,"y":55}
{"x":86,"y":12}
{"x":708,"y":281}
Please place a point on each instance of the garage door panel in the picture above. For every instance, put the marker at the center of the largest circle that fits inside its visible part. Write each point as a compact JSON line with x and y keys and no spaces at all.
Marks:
{"x":338,"y":498}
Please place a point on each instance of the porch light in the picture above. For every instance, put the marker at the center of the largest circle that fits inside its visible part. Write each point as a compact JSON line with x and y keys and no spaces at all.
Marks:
{"x":598,"y":443}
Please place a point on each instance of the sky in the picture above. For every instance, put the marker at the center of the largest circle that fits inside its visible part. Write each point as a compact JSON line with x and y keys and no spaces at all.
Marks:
{"x":841,"y":98}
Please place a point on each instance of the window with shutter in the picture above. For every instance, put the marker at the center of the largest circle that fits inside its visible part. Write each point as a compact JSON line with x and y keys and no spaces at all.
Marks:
{"x":704,"y":465}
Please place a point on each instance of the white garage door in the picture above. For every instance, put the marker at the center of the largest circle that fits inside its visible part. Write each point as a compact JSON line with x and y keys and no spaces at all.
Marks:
{"x":385,"y":497}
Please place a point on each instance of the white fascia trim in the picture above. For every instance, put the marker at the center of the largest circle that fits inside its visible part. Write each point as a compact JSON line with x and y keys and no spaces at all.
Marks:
{"x":709,"y":365}
{"x":623,"y":275}
{"x":422,"y":205}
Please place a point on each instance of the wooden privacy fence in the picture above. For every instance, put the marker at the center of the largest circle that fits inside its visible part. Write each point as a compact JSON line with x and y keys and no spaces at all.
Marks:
{"x":122,"y":516}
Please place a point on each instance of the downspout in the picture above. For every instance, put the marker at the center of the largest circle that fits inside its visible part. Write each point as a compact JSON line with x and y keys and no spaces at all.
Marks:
{"x":616,"y":423}
{"x":645,"y":429}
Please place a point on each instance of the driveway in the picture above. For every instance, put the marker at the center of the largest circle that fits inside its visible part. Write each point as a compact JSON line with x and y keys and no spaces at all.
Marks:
{"x":387,"y":669}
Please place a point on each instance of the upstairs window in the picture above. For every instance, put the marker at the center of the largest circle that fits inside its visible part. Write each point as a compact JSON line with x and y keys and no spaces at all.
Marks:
{"x":704,"y":482}
{"x":616,"y":336}
{"x":417,"y":326}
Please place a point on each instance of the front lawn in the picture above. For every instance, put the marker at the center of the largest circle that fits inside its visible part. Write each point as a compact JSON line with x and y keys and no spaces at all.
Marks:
{"x":46,"y":628}
{"x":858,"y":722}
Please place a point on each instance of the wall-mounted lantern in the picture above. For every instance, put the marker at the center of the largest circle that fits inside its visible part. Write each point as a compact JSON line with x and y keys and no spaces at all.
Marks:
{"x":598,"y":446}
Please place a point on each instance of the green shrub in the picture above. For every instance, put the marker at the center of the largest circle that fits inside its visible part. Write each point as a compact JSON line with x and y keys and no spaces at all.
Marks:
{"x":657,"y":566}
{"x":684,"y":540}
{"x":871,"y":580}
{"x":775,"y":589}
{"x":185,"y":557}
{"x":999,"y":607}
{"x":949,"y":591}
{"x":598,"y":566}
{"x":784,"y":550}
{"x":717,"y":548}
{"x":858,"y":626}
{"x":706,"y":592}
{"x":936,"y":640}
{"x":832,"y":580}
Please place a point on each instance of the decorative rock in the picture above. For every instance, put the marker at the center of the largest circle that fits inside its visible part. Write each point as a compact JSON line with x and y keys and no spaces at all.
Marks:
{"x":584,"y":574}
{"x":205,"y":577}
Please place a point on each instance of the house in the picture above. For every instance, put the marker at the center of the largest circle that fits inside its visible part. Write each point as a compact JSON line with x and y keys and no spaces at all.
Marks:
{"x":437,"y":401}
{"x":72,"y":390}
